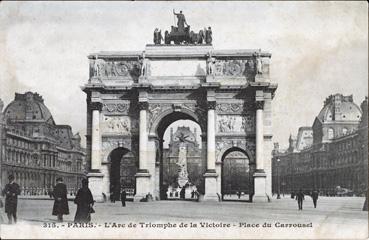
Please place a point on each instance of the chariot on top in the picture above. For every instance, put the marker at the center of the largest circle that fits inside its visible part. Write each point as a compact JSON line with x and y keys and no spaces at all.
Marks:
{"x":182,"y":34}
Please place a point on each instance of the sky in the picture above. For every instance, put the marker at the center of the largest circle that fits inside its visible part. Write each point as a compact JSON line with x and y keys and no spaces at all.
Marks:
{"x":318,"y":48}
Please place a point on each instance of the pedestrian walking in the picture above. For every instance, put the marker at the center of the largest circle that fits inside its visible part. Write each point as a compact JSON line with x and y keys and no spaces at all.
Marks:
{"x":300,"y":198}
{"x":314,"y":196}
{"x":84,"y":201}
{"x":182,"y":193}
{"x":123,"y":196}
{"x":112,"y":193}
{"x":2,"y":219}
{"x":11,"y":192}
{"x":239,"y":194}
{"x":60,"y":207}
{"x":50,"y":192}
{"x":117,"y":192}
{"x":365,"y":207}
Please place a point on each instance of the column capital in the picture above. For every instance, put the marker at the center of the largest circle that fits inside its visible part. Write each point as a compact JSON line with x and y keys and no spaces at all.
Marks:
{"x":259,"y":105}
{"x":96,"y":106}
{"x":211,"y":105}
{"x":143,"y":105}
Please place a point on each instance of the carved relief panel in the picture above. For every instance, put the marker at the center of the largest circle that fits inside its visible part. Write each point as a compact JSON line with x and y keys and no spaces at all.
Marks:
{"x":233,"y":118}
{"x":107,"y":69}
{"x":248,"y":68}
{"x":232,"y":108}
{"x":229,"y":68}
{"x":116,"y":125}
{"x":115,"y":108}
{"x":235,"y":123}
{"x":236,"y":68}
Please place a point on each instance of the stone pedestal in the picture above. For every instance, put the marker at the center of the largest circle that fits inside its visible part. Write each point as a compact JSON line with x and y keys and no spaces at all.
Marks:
{"x":96,"y":185}
{"x":106,"y":179}
{"x":177,"y":50}
{"x":143,"y":79}
{"x":211,"y":187}
{"x":261,"y":78}
{"x":210,"y":78}
{"x":142,"y":185}
{"x":260,"y":187}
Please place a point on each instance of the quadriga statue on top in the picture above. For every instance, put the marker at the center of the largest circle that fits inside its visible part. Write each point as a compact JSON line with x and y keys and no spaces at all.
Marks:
{"x":181,"y":34}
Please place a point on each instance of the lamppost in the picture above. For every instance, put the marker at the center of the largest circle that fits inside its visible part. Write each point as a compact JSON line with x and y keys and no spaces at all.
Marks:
{"x":279,"y":180}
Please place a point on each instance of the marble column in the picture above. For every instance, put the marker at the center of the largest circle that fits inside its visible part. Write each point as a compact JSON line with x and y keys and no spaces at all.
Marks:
{"x":142,"y":176}
{"x":143,"y":137}
{"x":95,"y":177}
{"x":211,"y":138}
{"x":211,"y":175}
{"x":259,"y":136}
{"x":96,"y":141}
{"x":259,"y":175}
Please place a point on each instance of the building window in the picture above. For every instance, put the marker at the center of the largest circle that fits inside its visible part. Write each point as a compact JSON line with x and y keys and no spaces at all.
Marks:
{"x":344,"y":131}
{"x":330,"y":133}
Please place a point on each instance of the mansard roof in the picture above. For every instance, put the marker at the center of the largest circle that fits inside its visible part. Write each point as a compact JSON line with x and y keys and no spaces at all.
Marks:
{"x":339,"y":108}
{"x":28,"y":107}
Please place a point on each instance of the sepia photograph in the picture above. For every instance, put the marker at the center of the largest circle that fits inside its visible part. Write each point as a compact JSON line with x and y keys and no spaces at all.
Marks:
{"x":184,"y":120}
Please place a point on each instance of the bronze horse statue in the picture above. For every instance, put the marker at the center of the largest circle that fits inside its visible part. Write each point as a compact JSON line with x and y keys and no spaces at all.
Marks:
{"x":186,"y":36}
{"x":197,"y":38}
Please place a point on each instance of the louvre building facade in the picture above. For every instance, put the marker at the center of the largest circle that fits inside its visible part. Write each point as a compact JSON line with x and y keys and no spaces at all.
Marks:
{"x":35,"y":149}
{"x":332,"y":153}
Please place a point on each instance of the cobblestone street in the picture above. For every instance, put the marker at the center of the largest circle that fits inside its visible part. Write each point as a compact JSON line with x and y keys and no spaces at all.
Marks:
{"x":335,"y":217}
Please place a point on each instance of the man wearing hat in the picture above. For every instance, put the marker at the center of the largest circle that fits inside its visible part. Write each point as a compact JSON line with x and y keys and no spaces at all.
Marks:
{"x":61,"y":201}
{"x":11,"y":192}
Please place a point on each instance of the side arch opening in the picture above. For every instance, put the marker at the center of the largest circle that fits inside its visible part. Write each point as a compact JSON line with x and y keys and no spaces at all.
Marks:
{"x":123,"y":167}
{"x":236,"y":175}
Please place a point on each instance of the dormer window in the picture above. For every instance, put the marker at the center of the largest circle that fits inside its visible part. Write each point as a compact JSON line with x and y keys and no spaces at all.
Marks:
{"x":344,"y":131}
{"x":330,"y":133}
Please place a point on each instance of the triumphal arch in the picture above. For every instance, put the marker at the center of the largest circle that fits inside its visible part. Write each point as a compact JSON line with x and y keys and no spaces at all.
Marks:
{"x":132,"y":97}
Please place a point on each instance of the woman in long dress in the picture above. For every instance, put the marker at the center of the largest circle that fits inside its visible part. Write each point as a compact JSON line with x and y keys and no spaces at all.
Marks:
{"x":84,"y":201}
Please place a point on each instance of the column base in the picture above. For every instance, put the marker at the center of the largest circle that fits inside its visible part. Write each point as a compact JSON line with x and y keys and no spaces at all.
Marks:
{"x":142,"y":185}
{"x":260,"y":187}
{"x":260,"y":199}
{"x":211,"y":187}
{"x":96,"y":184}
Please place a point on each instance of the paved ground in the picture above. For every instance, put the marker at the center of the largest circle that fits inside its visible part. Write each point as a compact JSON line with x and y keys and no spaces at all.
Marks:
{"x":335,"y":217}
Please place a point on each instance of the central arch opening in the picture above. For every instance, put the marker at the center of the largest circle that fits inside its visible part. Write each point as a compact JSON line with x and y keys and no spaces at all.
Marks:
{"x":123,"y":167}
{"x":181,"y":156}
